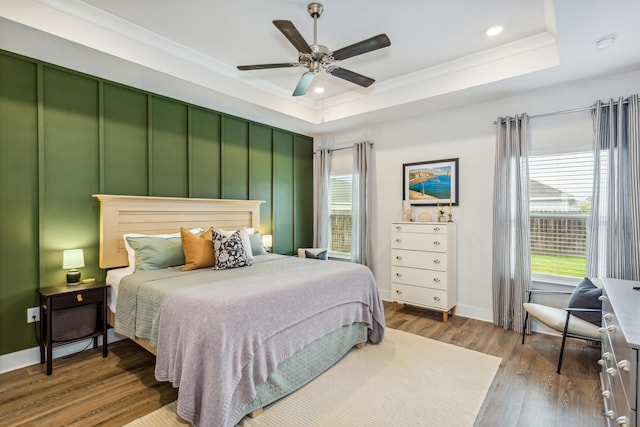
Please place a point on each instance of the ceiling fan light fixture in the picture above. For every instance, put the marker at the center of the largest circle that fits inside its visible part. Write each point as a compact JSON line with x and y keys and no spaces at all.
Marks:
{"x":494,"y":30}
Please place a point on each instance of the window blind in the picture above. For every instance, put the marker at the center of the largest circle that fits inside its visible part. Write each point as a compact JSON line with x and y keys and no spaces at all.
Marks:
{"x":559,"y":204}
{"x":340,"y":214}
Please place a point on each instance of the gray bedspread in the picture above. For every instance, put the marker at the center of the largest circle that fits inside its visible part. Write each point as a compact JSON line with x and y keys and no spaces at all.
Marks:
{"x":140,"y":295}
{"x":220,"y":337}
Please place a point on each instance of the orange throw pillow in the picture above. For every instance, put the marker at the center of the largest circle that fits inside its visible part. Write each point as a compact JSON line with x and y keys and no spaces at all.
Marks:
{"x":198,"y":250}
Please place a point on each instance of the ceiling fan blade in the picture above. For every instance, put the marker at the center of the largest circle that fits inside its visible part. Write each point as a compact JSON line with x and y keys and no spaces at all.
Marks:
{"x":304,"y":83}
{"x":352,"y":77}
{"x":368,"y":45}
{"x":293,"y":35}
{"x":266,"y":66}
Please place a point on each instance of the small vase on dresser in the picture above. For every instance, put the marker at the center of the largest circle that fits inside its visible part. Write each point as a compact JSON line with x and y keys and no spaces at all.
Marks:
{"x":423,"y":265}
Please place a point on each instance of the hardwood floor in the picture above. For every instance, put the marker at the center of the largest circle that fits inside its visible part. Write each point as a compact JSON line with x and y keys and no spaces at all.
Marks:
{"x":87,"y":390}
{"x":526,"y":390}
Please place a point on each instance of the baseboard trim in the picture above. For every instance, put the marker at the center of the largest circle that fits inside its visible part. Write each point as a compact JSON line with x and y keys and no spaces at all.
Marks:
{"x":31,"y":356}
{"x":463,"y":310}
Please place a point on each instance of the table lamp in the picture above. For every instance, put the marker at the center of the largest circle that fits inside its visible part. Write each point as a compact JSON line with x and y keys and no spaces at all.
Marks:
{"x":267,"y":241}
{"x":72,"y":259}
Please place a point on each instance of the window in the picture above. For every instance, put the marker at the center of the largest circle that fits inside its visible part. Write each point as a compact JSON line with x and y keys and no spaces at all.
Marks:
{"x":340,"y":215}
{"x":559,"y":206}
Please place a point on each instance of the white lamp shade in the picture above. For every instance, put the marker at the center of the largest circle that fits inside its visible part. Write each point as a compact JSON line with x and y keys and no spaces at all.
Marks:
{"x":72,"y":258}
{"x":267,"y":240}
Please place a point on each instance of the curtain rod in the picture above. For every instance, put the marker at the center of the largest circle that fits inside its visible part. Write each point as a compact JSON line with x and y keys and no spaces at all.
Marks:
{"x":343,"y":148}
{"x":574,"y":110}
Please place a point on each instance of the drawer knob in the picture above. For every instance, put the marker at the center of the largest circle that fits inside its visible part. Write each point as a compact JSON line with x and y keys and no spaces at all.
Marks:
{"x":622,"y":421}
{"x":398,"y":227}
{"x":436,"y":298}
{"x":398,"y":240}
{"x":606,"y":355}
{"x":606,"y":394}
{"x":79,"y":297}
{"x":625,"y":365}
{"x":398,"y":257}
{"x":612,"y":329}
{"x":602,"y":298}
{"x":436,"y":243}
{"x":398,"y":291}
{"x":601,"y":362}
{"x":436,"y":279}
{"x":436,"y":228}
{"x":608,"y":316}
{"x":612,"y":372}
{"x":611,"y":414}
{"x":436,"y":261}
{"x":398,"y":275}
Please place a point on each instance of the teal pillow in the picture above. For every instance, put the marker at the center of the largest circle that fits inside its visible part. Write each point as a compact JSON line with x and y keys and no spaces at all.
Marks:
{"x":153,"y":253}
{"x":257,"y":248}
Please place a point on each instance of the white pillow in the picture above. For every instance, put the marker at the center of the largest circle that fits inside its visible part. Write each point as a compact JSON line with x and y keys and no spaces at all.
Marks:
{"x":131,"y":253}
{"x":246,"y":243}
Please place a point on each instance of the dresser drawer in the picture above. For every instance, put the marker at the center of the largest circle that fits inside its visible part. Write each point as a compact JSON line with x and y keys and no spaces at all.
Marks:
{"x":622,"y":357}
{"x":416,"y":295}
{"x":419,"y":277}
{"x":416,"y":259}
{"x":419,"y":241}
{"x":616,"y":399}
{"x":606,"y":398}
{"x":75,"y":299}
{"x":419,"y":228}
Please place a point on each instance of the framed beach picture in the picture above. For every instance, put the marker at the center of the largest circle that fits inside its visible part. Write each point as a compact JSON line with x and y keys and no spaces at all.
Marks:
{"x":431,"y":183}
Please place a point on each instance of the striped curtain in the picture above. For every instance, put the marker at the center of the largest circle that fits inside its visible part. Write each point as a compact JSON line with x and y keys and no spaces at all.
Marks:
{"x":613,"y":243}
{"x":321,"y":219}
{"x":362,"y":191}
{"x":511,"y":249}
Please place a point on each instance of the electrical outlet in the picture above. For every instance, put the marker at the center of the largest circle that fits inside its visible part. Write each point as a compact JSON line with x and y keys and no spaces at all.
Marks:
{"x":33,"y":314}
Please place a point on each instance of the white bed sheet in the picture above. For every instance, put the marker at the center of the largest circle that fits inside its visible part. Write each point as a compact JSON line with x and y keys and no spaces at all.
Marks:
{"x":114,"y":277}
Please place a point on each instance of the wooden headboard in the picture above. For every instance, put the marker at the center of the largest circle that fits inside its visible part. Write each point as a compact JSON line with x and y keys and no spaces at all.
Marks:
{"x":120,"y":215}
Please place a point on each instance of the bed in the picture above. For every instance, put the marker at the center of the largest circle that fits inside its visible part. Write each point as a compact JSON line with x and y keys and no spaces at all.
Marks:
{"x":232,"y":340}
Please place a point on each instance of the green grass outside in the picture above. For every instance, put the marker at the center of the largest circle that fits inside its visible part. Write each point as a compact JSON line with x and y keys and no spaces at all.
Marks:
{"x":559,"y":265}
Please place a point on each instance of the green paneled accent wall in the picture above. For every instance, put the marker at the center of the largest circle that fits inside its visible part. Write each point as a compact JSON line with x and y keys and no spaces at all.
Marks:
{"x":283,"y":206}
{"x":71,"y":171}
{"x":169,"y":176}
{"x":235,"y":158}
{"x":65,"y":135}
{"x":260,"y":171}
{"x":205,"y":153}
{"x":302,"y":190}
{"x":19,"y":261}
{"x":126,"y":139}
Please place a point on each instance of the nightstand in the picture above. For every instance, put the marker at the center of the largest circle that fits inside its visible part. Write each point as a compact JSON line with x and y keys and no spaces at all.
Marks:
{"x":72,"y":313}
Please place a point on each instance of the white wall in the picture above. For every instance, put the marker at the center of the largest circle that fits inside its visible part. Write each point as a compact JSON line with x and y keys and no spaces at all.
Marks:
{"x":469,"y":134}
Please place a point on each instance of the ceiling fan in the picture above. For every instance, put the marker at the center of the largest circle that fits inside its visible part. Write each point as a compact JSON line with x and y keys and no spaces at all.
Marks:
{"x":317,"y":57}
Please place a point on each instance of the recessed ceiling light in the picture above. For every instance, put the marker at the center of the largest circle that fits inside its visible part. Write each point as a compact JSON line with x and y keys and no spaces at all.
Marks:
{"x":494,"y":31}
{"x":605,"y":42}
{"x":319,"y":90}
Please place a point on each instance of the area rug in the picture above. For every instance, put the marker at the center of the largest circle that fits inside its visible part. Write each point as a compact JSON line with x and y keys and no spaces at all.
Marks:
{"x":408,"y":380}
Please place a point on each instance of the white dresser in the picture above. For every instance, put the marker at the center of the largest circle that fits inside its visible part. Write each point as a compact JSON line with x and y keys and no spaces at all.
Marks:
{"x":423,"y":265}
{"x":620,"y":349}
